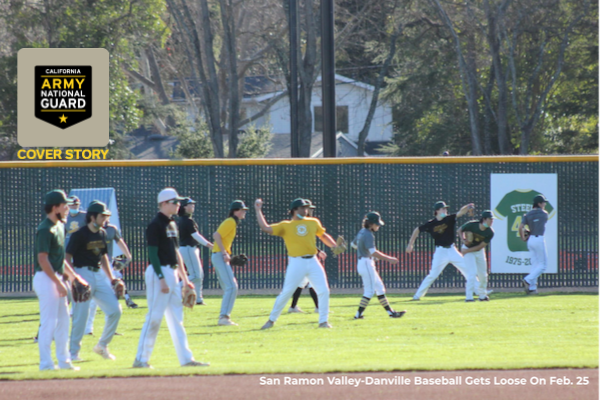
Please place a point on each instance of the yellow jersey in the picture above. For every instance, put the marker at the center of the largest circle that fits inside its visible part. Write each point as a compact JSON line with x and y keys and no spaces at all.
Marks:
{"x":300,"y":236}
{"x":227,"y":230}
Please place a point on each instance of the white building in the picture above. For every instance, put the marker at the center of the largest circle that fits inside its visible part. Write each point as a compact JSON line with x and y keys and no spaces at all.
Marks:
{"x":353,"y":99}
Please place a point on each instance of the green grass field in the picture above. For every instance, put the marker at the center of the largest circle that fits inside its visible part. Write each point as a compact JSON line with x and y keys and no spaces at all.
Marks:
{"x":441,"y":332}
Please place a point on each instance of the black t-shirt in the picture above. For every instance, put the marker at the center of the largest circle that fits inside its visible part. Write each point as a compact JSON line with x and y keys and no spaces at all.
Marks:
{"x":187,"y":226}
{"x":162,"y":233}
{"x":87,"y":247}
{"x":442,"y":231}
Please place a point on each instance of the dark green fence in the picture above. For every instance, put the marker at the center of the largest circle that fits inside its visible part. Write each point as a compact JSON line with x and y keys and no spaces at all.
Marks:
{"x":402,"y":190}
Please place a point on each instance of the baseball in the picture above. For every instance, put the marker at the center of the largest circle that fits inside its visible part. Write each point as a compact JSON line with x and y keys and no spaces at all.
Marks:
{"x":258,"y":202}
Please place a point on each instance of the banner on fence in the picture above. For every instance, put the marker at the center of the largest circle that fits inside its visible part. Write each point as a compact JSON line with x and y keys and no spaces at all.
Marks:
{"x":511,"y":198}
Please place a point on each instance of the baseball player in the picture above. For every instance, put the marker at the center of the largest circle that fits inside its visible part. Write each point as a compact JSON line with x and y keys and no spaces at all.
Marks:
{"x":189,"y":240}
{"x":112,"y":236}
{"x":305,"y":284}
{"x":163,"y":290}
{"x":536,"y":221}
{"x":49,"y":267}
{"x":75,"y":219}
{"x":299,"y":235}
{"x":87,"y":248}
{"x":475,"y":235}
{"x":367,"y":253}
{"x":221,"y":256}
{"x":441,"y":229}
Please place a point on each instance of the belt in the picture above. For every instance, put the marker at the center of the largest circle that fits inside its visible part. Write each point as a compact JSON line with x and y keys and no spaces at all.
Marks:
{"x":93,"y":269}
{"x":307,"y":257}
{"x":446,"y":247}
{"x":368,"y":258}
{"x":174,"y":266}
{"x":538,"y":235}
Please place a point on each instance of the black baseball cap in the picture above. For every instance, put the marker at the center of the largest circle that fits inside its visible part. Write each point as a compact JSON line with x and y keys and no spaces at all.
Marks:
{"x":299,"y":202}
{"x":375,"y":218}
{"x":98,"y":207}
{"x":186,"y":201}
{"x":75,"y":200}
{"x":539,"y":198}
{"x":55,"y":197}
{"x":440,"y":204}
{"x":238,"y":205}
{"x":487,"y":214}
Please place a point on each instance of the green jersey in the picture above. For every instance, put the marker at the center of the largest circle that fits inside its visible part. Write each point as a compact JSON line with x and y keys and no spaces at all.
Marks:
{"x":514,"y":206}
{"x":50,"y":238}
{"x":478,"y":235}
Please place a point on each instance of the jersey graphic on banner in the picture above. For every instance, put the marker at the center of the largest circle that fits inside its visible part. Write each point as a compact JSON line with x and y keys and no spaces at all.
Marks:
{"x":514,"y":206}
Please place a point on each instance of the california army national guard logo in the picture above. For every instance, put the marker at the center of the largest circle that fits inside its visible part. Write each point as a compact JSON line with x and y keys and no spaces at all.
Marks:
{"x":63,"y":94}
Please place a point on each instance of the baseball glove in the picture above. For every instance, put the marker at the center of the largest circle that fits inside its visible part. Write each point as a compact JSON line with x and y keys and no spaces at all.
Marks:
{"x":526,"y":234}
{"x":120,"y":263}
{"x":239,"y":260}
{"x":81,"y":293}
{"x":468,"y":238}
{"x":119,"y":287}
{"x":188,"y":296}
{"x":340,"y":246}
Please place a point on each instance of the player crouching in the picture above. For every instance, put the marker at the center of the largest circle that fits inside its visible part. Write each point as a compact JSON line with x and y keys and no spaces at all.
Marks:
{"x":367,"y":253}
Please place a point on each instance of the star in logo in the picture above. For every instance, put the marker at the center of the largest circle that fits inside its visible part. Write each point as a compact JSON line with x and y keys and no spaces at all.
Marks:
{"x":63,"y":119}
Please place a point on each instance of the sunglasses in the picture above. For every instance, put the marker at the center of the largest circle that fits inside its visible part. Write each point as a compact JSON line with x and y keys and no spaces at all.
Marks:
{"x":173,"y":201}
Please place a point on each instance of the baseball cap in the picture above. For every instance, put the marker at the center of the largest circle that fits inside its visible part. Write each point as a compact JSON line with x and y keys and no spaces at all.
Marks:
{"x":539,"y":198}
{"x":98,"y":207}
{"x":310,"y":204}
{"x":55,"y":197}
{"x":75,"y":199}
{"x":186,"y":201}
{"x":168,"y":194}
{"x":299,"y":202}
{"x":375,"y":218}
{"x":238,"y":205}
{"x":487,"y":214}
{"x":440,"y":204}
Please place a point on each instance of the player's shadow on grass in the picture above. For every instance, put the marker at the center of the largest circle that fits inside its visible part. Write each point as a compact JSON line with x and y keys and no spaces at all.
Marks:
{"x":23,"y":320}
{"x":18,"y":340}
{"x":17,"y":365}
{"x":19,"y":315}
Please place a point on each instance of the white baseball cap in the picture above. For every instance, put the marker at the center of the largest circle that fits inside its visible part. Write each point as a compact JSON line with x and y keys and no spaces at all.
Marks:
{"x":168,"y":194}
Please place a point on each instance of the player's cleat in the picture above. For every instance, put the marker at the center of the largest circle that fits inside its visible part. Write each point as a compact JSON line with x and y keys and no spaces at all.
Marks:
{"x":35,"y":339}
{"x":532,"y":292}
{"x":525,"y":286}
{"x":469,"y":300}
{"x":76,"y":358}
{"x":194,"y":363}
{"x":90,"y":333}
{"x":118,"y":334}
{"x":224,"y":321}
{"x":359,"y":317}
{"x":70,"y":366}
{"x":296,"y":309}
{"x":130,"y":303}
{"x":103,"y":351}
{"x":486,"y":298}
{"x":415,"y":299}
{"x":324,"y":325}
{"x":200,"y":303}
{"x":397,"y":314}
{"x":138,"y":364}
{"x":316,"y":310}
{"x":268,"y":325}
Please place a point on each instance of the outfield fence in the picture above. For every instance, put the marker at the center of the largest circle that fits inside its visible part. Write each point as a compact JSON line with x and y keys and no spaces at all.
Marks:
{"x":403,"y":190}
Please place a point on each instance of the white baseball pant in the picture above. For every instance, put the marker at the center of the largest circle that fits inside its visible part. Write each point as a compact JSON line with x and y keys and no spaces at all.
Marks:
{"x":539,"y":260}
{"x":441,"y":258}
{"x":476,"y":261}
{"x":191,"y":258}
{"x":159,"y":305}
{"x":299,"y":268}
{"x":372,"y":282}
{"x":54,"y":322}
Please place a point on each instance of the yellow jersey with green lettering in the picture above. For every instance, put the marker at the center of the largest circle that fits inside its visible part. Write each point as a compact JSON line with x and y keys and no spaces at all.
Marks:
{"x":227,"y":231}
{"x":300,"y":236}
